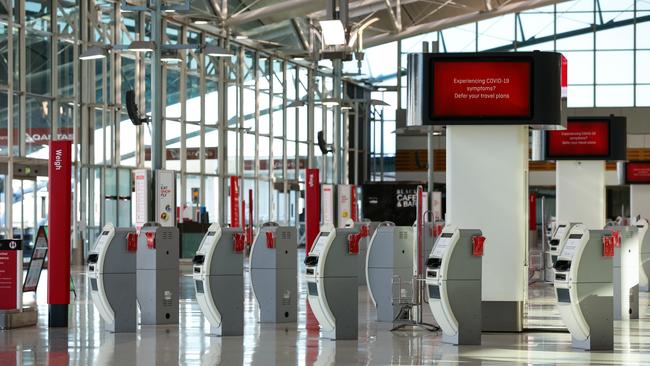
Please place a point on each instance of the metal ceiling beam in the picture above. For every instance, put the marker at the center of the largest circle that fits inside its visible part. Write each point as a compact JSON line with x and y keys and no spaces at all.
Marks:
{"x":361,"y":8}
{"x":455,"y":21}
{"x":286,"y":7}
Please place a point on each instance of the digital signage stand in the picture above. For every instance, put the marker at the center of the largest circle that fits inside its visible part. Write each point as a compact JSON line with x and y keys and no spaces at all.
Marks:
{"x":488,"y":101}
{"x":580,"y":153}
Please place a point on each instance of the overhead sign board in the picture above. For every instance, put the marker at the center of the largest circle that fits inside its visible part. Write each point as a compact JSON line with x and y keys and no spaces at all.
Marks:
{"x":588,"y":138}
{"x":523,"y":88}
{"x":637,"y":172}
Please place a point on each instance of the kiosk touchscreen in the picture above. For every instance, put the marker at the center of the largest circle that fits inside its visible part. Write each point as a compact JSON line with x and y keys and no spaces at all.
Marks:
{"x":644,"y":255}
{"x":389,"y":268}
{"x":331,"y":270}
{"x":111,"y":270}
{"x":274,"y":273}
{"x":454,"y":285}
{"x":558,"y":239}
{"x":584,"y":289}
{"x":218,"y":273}
{"x":626,"y":273}
{"x":157,"y":274}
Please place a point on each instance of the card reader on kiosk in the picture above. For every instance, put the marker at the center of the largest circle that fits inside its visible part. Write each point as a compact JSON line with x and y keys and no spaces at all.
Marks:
{"x":218,"y":271}
{"x":331,"y":270}
{"x":111,"y":270}
{"x":389,"y":262}
{"x":157,"y":274}
{"x":626,"y":272}
{"x":454,"y":284}
{"x":558,"y":239}
{"x":584,"y":289}
{"x":274,"y":273}
{"x":644,"y":255}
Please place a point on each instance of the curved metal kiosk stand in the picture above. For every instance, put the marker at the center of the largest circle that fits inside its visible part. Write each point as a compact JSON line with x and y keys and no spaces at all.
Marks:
{"x":157,"y":274}
{"x":389,"y":263}
{"x":454,"y":285}
{"x":584,"y":289}
{"x":644,"y":255}
{"x":111,"y":270}
{"x":626,"y":273}
{"x":274,"y":273}
{"x":331,"y":275}
{"x":218,"y":273}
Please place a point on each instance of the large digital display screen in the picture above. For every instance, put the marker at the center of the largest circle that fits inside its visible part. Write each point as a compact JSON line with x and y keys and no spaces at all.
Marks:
{"x":582,"y":139}
{"x":482,"y":89}
{"x":588,"y":138}
{"x":486,"y":88}
{"x":637,"y":172}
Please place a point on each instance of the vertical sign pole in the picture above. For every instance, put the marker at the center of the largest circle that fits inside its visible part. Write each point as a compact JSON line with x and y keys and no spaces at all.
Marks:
{"x":234,"y":201}
{"x":312,"y":207}
{"x":58,"y":273}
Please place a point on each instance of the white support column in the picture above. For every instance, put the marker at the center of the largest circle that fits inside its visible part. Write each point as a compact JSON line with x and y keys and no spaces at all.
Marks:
{"x":580,"y":192}
{"x":640,"y":200}
{"x":487,"y":189}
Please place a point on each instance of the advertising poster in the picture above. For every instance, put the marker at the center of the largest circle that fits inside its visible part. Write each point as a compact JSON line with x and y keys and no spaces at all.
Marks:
{"x":390,"y":202}
{"x":234,"y":202}
{"x":312,"y":207}
{"x":166,"y":197}
{"x":141,"y":183}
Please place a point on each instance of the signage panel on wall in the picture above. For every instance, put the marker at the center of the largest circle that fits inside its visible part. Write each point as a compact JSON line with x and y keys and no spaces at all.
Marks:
{"x":486,"y":88}
{"x":637,"y":172}
{"x":588,"y":138}
{"x":11,"y":271}
{"x":394,"y":202}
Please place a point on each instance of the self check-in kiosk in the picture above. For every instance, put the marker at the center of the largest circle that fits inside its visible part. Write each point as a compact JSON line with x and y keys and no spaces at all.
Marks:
{"x":274,"y":273}
{"x":558,"y":239}
{"x":626,"y":272}
{"x":584,"y":288}
{"x":454,"y":284}
{"x":111,"y":270}
{"x":644,"y":255}
{"x":218,"y":271}
{"x":331,"y":270}
{"x":389,"y":262}
{"x":157,"y":274}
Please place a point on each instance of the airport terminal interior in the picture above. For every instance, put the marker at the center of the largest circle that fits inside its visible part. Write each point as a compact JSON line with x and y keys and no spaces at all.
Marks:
{"x":324,"y":182}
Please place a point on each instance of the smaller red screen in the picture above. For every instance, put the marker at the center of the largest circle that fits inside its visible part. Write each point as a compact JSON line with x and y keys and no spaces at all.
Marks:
{"x":580,"y":139}
{"x":638,"y":172}
{"x":492,"y":89}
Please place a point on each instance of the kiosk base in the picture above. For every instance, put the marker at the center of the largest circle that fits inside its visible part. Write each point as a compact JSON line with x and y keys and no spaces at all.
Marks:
{"x":11,"y":319}
{"x":503,"y":316}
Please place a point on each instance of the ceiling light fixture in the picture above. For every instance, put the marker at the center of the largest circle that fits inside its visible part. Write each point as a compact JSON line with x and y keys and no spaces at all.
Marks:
{"x":329,"y":102}
{"x":216,"y":51}
{"x":170,"y":55}
{"x":142,"y":46}
{"x":333,"y":32}
{"x":93,"y":53}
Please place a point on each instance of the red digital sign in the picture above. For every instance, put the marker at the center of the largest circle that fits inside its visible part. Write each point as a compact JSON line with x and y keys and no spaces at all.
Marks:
{"x":581,"y":139}
{"x":637,"y":172}
{"x":482,"y":89}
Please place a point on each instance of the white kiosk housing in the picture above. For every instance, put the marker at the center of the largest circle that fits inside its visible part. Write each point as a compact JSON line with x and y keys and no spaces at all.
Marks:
{"x":559,"y":239}
{"x":644,"y":255}
{"x":454,"y":286}
{"x":111,"y":270}
{"x":626,"y":273}
{"x":389,"y":264}
{"x":274,"y":273}
{"x":332,"y":290}
{"x":584,"y":289}
{"x":218,"y":273}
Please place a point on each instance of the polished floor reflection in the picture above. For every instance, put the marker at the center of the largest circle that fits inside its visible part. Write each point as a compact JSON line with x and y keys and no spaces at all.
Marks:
{"x":86,"y":342}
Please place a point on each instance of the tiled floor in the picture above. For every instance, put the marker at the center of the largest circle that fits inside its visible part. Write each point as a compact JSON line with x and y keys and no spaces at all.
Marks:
{"x":86,"y":342}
